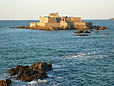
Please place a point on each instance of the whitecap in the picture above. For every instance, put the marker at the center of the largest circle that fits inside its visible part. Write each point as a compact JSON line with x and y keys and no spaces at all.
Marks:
{"x":79,"y":55}
{"x":59,"y":77}
{"x":37,"y":82}
{"x":56,"y":66}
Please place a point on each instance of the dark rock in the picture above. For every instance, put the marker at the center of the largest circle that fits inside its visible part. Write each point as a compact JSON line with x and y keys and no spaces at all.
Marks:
{"x":23,"y":74}
{"x":14,"y":71}
{"x":94,"y":27}
{"x":39,"y":75}
{"x":6,"y":82}
{"x":41,"y":66}
{"x":29,"y":73}
{"x":82,"y":31}
{"x":101,"y":28}
{"x":26,"y":74}
{"x":82,"y":35}
{"x":86,"y":31}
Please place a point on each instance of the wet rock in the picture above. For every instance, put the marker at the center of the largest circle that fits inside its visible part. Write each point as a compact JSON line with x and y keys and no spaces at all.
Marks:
{"x":82,"y":31}
{"x":86,"y":31}
{"x":36,"y":28}
{"x":101,"y":28}
{"x":82,"y":35}
{"x":42,"y":66}
{"x":6,"y":82}
{"x":15,"y":70}
{"x":29,"y":73}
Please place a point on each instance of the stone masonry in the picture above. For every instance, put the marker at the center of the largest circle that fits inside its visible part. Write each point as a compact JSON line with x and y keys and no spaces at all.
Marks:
{"x":53,"y":20}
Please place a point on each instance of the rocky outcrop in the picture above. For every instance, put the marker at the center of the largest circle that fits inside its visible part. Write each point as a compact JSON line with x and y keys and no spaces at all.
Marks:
{"x":29,"y":73}
{"x":82,"y":31}
{"x":99,"y":27}
{"x":6,"y":82}
{"x":41,"y":66}
{"x":82,"y":35}
{"x":15,"y":70}
{"x":35,"y":28}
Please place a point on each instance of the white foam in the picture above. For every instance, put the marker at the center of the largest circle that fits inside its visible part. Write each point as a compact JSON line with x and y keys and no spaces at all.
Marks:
{"x":59,"y":77}
{"x":78,"y":55}
{"x":37,"y":82}
{"x":16,"y":80}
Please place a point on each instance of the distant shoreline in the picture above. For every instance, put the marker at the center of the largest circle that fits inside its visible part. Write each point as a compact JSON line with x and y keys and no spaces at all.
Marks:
{"x":112,"y":19}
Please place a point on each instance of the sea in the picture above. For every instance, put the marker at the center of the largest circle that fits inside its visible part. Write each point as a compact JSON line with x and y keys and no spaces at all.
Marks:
{"x":76,"y":60}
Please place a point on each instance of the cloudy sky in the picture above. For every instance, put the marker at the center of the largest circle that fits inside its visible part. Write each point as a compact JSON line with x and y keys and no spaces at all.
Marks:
{"x":32,"y":9}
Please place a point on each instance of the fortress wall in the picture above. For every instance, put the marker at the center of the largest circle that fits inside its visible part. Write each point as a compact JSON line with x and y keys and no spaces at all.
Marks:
{"x":52,"y":20}
{"x":80,"y":25}
{"x":58,"y":19}
{"x":48,"y":20}
{"x":73,"y":19}
{"x":63,"y":24}
{"x":43,"y":19}
{"x":53,"y":24}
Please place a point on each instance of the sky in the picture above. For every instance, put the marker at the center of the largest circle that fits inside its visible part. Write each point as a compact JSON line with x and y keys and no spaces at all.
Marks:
{"x":32,"y":9}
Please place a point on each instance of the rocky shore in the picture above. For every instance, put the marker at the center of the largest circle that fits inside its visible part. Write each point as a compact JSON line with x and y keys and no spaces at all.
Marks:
{"x":57,"y":28}
{"x":92,"y":29}
{"x":79,"y":31}
{"x":28,"y":73}
{"x":37,"y":28}
{"x":6,"y":82}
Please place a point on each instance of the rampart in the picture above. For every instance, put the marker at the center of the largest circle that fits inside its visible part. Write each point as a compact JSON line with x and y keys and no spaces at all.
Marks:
{"x":53,"y":20}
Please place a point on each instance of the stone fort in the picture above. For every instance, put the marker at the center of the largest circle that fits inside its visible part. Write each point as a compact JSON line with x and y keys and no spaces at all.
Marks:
{"x":53,"y":20}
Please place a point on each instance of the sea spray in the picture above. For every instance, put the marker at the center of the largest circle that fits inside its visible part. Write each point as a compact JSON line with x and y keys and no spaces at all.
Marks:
{"x":39,"y":81}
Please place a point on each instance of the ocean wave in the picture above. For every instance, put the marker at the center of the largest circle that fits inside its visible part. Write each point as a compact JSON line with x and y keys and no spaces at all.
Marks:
{"x":37,"y":82}
{"x":86,"y":55}
{"x":78,"y":55}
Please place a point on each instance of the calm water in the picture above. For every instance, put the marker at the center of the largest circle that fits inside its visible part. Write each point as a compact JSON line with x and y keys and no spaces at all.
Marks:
{"x":77,"y":61}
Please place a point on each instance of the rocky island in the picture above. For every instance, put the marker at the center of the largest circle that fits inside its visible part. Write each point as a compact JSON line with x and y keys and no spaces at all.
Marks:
{"x":55,"y":22}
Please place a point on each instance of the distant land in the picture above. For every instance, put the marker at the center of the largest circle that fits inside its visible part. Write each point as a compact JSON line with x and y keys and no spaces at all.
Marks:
{"x":111,"y":18}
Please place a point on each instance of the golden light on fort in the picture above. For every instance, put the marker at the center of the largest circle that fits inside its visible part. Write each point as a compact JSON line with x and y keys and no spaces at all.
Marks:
{"x":53,"y":20}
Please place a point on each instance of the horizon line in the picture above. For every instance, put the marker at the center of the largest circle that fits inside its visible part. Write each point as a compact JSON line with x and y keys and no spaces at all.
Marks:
{"x":38,"y":19}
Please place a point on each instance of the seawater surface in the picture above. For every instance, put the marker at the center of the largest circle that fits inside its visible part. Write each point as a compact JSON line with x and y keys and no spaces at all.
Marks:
{"x":77,"y":61}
